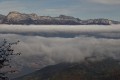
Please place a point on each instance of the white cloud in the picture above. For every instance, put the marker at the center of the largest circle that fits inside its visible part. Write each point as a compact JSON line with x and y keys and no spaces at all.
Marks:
{"x":57,"y":11}
{"x":59,"y":49}
{"x":54,"y":28}
{"x":107,"y":1}
{"x":7,"y":6}
{"x":16,"y":5}
{"x":40,"y":51}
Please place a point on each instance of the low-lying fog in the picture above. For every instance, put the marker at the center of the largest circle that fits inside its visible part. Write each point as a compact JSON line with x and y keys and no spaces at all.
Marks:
{"x":51,"y":44}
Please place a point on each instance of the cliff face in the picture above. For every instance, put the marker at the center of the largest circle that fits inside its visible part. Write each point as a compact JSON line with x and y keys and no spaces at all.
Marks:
{"x":22,"y":18}
{"x":2,"y":17}
{"x":19,"y":18}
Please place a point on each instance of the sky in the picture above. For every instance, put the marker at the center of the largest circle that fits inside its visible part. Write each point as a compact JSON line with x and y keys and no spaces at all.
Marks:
{"x":83,"y":9}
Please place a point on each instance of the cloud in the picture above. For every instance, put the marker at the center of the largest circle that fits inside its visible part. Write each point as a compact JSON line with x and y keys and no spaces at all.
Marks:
{"x":44,"y":51}
{"x":7,"y":6}
{"x":58,"y":28}
{"x":107,"y":1}
{"x":38,"y":52}
{"x":80,"y":8}
{"x":57,"y":11}
{"x":56,"y":49}
{"x":62,"y":31}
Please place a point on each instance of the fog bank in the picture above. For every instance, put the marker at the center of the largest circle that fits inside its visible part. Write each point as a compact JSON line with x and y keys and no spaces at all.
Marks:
{"x":40,"y":51}
{"x":66,"y":31}
{"x":46,"y":45}
{"x":53,"y":28}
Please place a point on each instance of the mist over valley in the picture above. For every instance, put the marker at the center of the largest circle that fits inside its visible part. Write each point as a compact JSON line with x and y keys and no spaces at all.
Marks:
{"x":43,"y":45}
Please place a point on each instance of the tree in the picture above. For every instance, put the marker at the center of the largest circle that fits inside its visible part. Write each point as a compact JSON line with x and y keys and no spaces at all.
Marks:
{"x":6,"y":51}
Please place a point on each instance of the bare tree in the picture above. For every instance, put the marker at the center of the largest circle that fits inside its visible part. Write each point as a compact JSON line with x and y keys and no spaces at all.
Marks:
{"x":6,"y":51}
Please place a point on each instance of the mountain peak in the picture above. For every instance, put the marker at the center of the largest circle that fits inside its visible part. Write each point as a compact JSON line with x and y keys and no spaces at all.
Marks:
{"x":66,"y":17}
{"x":14,"y":12}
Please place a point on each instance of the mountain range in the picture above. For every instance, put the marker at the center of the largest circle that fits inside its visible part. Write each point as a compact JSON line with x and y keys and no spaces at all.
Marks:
{"x":15,"y":17}
{"x":106,"y":69}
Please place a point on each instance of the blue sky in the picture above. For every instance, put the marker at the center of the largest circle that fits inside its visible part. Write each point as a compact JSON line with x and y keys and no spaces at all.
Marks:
{"x":84,"y":9}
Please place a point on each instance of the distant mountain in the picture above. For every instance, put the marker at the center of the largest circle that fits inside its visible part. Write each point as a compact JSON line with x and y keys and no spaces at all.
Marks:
{"x":106,"y":69}
{"x":22,"y":18}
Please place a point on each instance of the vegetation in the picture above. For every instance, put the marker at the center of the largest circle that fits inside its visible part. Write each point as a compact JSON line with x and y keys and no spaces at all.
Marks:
{"x":6,"y":51}
{"x":106,"y":69}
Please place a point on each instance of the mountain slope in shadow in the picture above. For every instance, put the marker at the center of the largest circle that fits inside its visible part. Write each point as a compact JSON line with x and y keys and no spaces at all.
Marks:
{"x":106,"y":69}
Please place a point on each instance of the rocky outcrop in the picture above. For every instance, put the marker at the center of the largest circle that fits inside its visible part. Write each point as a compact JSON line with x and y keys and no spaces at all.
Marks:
{"x":22,"y":18}
{"x":97,"y":21}
{"x":19,"y":18}
{"x":63,"y":19}
{"x":2,"y":17}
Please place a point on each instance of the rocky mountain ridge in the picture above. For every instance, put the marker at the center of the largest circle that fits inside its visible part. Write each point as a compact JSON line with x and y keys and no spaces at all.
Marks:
{"x":22,"y":18}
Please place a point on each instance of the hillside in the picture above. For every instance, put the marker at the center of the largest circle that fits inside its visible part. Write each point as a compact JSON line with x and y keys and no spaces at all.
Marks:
{"x":106,"y":69}
{"x":27,"y":19}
